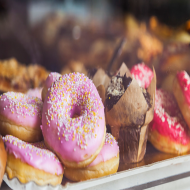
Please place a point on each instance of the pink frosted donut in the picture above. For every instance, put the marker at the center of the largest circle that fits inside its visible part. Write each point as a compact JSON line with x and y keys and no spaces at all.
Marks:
{"x":73,"y":119}
{"x":142,"y":74}
{"x":50,"y":79}
{"x":181,"y":90}
{"x":168,"y":131}
{"x":36,"y":92}
{"x":106,"y":163}
{"x":32,"y":162}
{"x":20,"y":116}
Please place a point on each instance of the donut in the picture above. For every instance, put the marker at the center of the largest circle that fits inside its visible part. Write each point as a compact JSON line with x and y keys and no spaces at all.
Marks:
{"x":36,"y":92}
{"x":20,"y":116}
{"x":181,"y":91}
{"x":32,"y":162}
{"x":50,"y":79}
{"x":3,"y":159}
{"x":73,"y":119}
{"x":143,"y":74}
{"x":168,"y":131}
{"x":106,"y":163}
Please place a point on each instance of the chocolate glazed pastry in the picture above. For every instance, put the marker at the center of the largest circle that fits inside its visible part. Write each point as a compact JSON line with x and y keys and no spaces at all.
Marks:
{"x":129,"y":117}
{"x":116,"y":89}
{"x":3,"y":159}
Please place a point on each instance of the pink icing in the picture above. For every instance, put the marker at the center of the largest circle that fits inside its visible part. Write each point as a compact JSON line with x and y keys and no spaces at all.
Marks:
{"x":74,"y":138}
{"x":51,"y":78}
{"x":109,"y":150}
{"x":36,"y":92}
{"x":22,"y":109}
{"x":168,"y":120}
{"x":142,"y":74}
{"x":34,"y":154}
{"x":184,"y":82}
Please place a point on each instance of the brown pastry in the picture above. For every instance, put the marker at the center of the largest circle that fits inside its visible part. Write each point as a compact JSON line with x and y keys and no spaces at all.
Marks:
{"x":13,"y":76}
{"x":175,"y":58}
{"x":3,"y":159}
{"x":129,"y":110}
{"x":37,"y":74}
{"x":20,"y":78}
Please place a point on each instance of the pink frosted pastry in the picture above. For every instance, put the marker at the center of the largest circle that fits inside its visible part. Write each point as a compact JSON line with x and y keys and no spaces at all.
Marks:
{"x":106,"y":163}
{"x":20,"y":116}
{"x":168,"y":131}
{"x":181,"y":91}
{"x":32,"y":162}
{"x":73,"y":119}
{"x":50,"y":79}
{"x":36,"y":92}
{"x":142,"y":74}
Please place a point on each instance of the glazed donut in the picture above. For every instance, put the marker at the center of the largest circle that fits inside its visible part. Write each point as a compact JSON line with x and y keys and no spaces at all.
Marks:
{"x":106,"y":163}
{"x":181,"y":91}
{"x":143,"y":74}
{"x":3,"y":160}
{"x":168,"y":131}
{"x":36,"y":92}
{"x":50,"y":79}
{"x":20,"y":116}
{"x":77,"y":140}
{"x":32,"y":162}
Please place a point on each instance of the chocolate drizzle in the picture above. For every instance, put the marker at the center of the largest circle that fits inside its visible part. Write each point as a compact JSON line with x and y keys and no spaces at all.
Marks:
{"x":116,"y":89}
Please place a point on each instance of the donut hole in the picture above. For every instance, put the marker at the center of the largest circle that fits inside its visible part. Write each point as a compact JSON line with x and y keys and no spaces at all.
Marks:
{"x":75,"y":112}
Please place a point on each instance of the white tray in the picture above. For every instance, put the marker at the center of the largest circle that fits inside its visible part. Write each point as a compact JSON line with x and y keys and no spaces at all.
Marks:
{"x":155,"y":169}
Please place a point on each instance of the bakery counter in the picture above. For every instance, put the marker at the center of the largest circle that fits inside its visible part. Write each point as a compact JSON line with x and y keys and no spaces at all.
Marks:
{"x":157,"y":170}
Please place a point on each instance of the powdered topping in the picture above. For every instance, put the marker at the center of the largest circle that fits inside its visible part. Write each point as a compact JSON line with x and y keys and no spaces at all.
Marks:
{"x":109,"y":150}
{"x":35,"y":154}
{"x":73,"y":105}
{"x":22,"y":104}
{"x":142,"y":74}
{"x":168,"y":119}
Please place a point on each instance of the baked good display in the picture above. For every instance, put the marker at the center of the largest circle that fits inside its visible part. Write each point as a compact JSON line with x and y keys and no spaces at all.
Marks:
{"x":49,"y":80}
{"x":129,"y":110}
{"x":106,"y":163}
{"x":20,"y":116}
{"x":168,"y":131}
{"x":32,"y":162}
{"x":181,"y":87}
{"x":3,"y":159}
{"x":73,"y":118}
{"x":72,"y":121}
